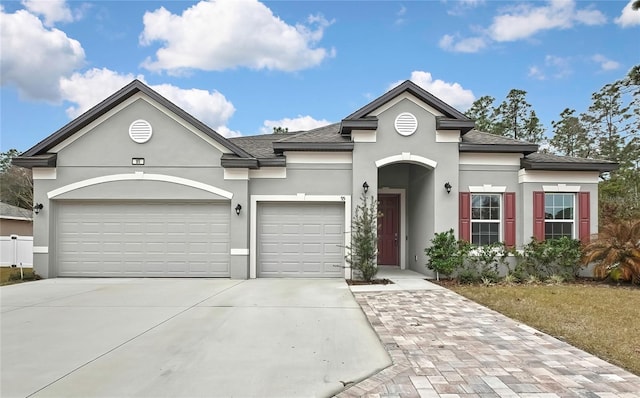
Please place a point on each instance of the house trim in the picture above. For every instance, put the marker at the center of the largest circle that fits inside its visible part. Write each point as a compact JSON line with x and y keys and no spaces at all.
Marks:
{"x":586,"y":177}
{"x":270,"y":172}
{"x":561,"y":188}
{"x":236,"y":174}
{"x":407,"y":157}
{"x":490,"y":159}
{"x":40,"y":249}
{"x":139,"y":176}
{"x":300,"y":197}
{"x":44,"y":173}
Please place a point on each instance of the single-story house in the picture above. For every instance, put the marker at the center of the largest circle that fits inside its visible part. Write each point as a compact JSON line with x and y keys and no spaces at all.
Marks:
{"x":138,"y":187}
{"x":15,"y":220}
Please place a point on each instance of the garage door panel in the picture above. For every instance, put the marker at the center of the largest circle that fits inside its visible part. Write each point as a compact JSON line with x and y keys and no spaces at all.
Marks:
{"x":300,"y":239}
{"x":143,"y":239}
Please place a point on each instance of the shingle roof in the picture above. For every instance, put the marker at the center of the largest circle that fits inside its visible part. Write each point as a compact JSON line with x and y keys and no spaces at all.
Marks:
{"x":259,"y":146}
{"x":328,"y":133}
{"x":479,"y":141}
{"x":547,"y":161}
{"x":10,"y":211}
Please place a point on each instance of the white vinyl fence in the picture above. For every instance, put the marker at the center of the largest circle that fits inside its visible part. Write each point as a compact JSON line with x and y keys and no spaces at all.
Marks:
{"x":16,"y":251}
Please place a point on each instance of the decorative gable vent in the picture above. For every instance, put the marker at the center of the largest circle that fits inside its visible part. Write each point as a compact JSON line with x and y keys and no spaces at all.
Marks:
{"x":406,"y":124}
{"x":140,"y":131}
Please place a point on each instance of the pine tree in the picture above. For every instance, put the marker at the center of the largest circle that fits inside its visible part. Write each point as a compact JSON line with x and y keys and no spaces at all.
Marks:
{"x":483,"y":112}
{"x":570,"y":137}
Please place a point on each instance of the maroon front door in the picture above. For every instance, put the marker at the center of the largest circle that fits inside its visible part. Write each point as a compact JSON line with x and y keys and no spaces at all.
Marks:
{"x":389,"y":229}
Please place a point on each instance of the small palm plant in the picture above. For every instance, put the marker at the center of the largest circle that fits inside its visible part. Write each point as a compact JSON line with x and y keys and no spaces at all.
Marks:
{"x":617,"y":248}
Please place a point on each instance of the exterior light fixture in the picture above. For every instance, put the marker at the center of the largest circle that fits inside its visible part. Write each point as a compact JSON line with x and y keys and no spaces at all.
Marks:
{"x":365,"y":186}
{"x":448,"y":187}
{"x":37,"y":208}
{"x":238,"y":208}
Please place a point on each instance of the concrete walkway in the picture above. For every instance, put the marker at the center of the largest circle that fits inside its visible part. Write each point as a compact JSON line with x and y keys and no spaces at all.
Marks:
{"x":443,"y":345}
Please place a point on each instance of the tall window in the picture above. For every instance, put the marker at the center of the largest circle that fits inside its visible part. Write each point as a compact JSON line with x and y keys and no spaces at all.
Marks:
{"x":559,"y":215}
{"x":485,"y":218}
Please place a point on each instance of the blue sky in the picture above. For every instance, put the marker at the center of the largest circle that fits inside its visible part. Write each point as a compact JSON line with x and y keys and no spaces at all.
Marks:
{"x":243,"y":67}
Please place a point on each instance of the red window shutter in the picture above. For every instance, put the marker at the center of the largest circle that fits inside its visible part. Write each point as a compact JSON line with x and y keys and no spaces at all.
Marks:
{"x":584,"y":219}
{"x":465,"y":216}
{"x":510,"y":219}
{"x":538,"y":215}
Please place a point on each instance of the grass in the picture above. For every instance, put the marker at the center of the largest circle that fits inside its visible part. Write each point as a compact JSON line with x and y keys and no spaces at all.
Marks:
{"x":601,"y":319}
{"x":7,"y":272}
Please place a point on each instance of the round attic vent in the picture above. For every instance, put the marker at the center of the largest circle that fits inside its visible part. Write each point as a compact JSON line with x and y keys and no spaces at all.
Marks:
{"x":406,"y":124}
{"x":140,"y":131}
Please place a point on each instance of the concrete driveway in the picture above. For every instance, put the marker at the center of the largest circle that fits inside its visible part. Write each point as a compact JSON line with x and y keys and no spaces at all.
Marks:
{"x":183,"y":338}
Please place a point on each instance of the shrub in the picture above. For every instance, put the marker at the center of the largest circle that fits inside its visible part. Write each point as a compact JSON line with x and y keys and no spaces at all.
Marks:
{"x":486,"y":260}
{"x":446,"y":253}
{"x":616,"y":252}
{"x":553,"y":256}
{"x":363,"y":252}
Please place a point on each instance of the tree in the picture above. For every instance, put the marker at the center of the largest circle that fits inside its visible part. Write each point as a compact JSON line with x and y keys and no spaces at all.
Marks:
{"x":280,"y":130}
{"x":516,"y":119}
{"x":483,"y":112}
{"x":606,"y":120}
{"x":16,"y":183}
{"x":363,"y":251}
{"x":570,"y":137}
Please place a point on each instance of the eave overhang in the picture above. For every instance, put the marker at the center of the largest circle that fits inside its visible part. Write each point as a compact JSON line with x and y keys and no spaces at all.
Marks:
{"x":46,"y":160}
{"x":367,"y":123}
{"x":446,"y":123}
{"x":567,"y":166}
{"x":488,"y":148}
{"x":234,"y":162}
{"x":280,"y":147}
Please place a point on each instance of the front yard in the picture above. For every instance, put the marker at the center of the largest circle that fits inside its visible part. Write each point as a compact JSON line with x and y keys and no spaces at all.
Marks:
{"x":601,"y":319}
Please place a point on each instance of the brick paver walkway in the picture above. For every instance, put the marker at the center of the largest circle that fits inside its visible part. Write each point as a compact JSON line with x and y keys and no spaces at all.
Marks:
{"x":443,"y":345}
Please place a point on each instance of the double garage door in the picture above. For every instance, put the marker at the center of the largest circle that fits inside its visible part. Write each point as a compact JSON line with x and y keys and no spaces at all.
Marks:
{"x":300,"y":240}
{"x":150,"y":239}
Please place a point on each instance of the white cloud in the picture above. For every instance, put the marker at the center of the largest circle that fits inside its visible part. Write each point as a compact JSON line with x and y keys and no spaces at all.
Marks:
{"x":218,"y":35}
{"x":606,"y":64}
{"x":87,"y":89}
{"x":52,"y":10}
{"x":628,"y":17}
{"x":462,"y":6}
{"x":554,"y":66}
{"x":400,"y":15}
{"x":467,"y":45}
{"x":50,"y":55}
{"x":451,"y":93}
{"x":300,"y":123}
{"x":210,"y":107}
{"x":524,"y":20}
{"x":536,"y":73}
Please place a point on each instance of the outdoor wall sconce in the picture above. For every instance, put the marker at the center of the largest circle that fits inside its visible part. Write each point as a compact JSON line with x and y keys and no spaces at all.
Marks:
{"x":365,"y":186}
{"x":37,"y":208}
{"x":448,"y":187}
{"x":238,"y":208}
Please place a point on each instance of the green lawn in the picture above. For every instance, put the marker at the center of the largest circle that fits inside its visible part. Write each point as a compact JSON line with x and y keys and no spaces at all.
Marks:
{"x":601,"y":319}
{"x":7,"y":272}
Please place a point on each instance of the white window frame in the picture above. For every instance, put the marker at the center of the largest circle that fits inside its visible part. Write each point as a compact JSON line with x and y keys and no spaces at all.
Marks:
{"x":572,"y":221}
{"x":500,"y":214}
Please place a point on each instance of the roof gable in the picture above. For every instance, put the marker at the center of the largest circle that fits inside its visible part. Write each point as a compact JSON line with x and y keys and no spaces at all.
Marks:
{"x":136,"y":86}
{"x":451,"y":118}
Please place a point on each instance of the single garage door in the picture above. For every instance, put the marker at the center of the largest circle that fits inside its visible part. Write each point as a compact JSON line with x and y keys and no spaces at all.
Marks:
{"x":300,"y":240}
{"x":150,"y":239}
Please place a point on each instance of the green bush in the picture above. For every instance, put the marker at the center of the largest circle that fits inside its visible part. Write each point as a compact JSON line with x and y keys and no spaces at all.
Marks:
{"x":446,"y":253}
{"x":552,"y":257}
